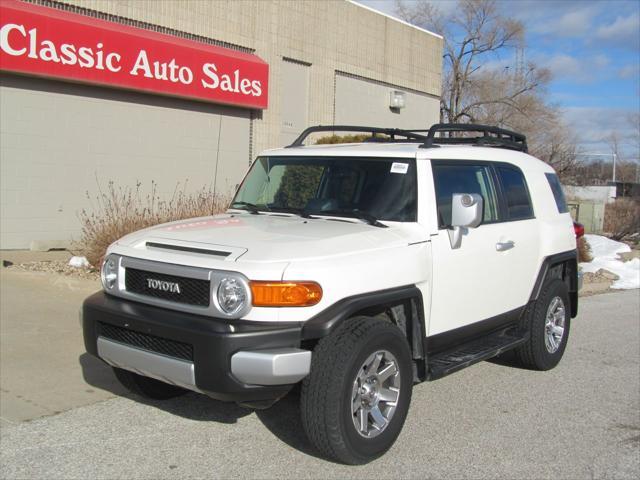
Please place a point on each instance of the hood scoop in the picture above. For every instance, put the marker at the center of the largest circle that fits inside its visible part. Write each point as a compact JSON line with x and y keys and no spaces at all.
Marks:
{"x":182,"y":248}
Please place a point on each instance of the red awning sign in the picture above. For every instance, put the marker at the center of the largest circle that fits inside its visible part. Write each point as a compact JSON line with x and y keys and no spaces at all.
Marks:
{"x":53,"y":43}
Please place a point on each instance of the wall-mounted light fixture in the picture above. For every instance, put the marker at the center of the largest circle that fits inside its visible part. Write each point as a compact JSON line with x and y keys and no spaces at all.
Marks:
{"x":397,"y":99}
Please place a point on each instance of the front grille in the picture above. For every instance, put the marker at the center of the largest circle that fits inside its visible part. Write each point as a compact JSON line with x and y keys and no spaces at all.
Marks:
{"x":171,"y":348}
{"x":192,"y":291}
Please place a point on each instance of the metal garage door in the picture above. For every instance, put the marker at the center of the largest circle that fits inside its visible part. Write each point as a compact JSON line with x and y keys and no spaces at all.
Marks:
{"x":57,"y":139}
{"x":366,"y":102}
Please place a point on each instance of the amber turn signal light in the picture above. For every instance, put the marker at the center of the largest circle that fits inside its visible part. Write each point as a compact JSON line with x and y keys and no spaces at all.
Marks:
{"x":285,"y":294}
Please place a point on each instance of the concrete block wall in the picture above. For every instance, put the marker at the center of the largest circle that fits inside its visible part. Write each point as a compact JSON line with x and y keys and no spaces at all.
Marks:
{"x":57,"y":137}
{"x":59,"y":141}
{"x":331,"y":35}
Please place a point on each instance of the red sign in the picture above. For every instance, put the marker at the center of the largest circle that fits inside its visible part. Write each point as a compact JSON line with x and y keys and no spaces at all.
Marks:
{"x":53,"y":43}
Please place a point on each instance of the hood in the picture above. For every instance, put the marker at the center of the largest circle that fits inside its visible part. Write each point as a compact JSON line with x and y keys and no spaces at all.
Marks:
{"x":268,"y":238}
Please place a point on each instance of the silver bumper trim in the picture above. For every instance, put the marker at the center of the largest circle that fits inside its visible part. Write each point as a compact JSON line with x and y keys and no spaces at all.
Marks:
{"x":279,"y":366}
{"x":169,"y":370}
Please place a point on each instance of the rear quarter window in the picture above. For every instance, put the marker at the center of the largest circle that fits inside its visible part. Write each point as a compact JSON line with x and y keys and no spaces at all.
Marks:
{"x":558,"y":194}
{"x":516,"y":193}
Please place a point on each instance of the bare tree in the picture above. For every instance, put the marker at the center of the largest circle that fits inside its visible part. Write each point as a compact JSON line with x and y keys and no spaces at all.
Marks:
{"x":477,"y":89}
{"x":474,"y":35}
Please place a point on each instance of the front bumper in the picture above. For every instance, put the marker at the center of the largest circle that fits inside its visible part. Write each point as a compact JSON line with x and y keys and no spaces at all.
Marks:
{"x":229,"y":360}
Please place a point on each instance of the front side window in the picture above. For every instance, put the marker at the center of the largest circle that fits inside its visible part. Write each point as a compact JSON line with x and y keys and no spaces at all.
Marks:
{"x":516,"y":193}
{"x":333,"y":186}
{"x":464,"y":178}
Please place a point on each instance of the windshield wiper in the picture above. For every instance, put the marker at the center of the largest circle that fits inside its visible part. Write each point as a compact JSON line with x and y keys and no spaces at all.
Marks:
{"x":359,"y":214}
{"x":301,"y":212}
{"x":254,"y":209}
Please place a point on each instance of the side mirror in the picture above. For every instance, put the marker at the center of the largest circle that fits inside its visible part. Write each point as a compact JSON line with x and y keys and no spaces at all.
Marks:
{"x":466,"y":212}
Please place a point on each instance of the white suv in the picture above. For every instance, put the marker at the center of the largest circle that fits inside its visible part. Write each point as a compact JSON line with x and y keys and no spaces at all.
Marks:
{"x":357,"y":269}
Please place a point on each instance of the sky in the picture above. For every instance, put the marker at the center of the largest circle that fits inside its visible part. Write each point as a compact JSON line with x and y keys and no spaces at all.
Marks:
{"x":593,"y":51}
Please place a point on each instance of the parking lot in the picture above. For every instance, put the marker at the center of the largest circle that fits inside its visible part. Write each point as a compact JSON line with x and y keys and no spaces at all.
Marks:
{"x":581,"y":420}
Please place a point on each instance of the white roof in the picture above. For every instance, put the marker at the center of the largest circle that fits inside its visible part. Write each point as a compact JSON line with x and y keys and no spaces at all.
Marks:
{"x":413,"y":150}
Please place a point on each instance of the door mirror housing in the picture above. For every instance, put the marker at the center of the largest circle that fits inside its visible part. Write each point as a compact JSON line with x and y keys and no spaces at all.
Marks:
{"x":466,"y":212}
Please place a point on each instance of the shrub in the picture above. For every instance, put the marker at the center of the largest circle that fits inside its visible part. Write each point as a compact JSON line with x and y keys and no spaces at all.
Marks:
{"x":333,"y":139}
{"x":622,"y":218}
{"x":584,"y":250}
{"x":122,"y":210}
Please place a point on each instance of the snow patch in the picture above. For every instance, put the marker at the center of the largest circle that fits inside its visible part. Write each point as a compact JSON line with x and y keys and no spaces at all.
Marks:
{"x":605,"y":255}
{"x":79,"y":262}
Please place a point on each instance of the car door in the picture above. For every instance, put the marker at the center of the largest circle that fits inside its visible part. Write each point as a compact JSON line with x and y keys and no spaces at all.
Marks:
{"x":479,"y":284}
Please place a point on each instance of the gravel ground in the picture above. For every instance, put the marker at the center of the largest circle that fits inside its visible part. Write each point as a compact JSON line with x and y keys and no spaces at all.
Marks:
{"x":580,"y":420}
{"x":56,"y":266}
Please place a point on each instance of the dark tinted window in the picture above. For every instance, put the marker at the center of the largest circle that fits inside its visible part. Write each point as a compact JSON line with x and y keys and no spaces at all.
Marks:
{"x":516,"y":193}
{"x":558,"y":194}
{"x":384,"y":188}
{"x":450,"y":179}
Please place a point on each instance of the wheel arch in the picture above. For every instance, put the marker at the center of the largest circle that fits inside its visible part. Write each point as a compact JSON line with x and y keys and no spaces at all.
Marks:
{"x":403,"y":306}
{"x":563,"y":266}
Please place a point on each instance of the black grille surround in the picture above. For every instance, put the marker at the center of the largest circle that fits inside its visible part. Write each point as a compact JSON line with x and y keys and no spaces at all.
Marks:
{"x":151,"y":343}
{"x":192,"y":291}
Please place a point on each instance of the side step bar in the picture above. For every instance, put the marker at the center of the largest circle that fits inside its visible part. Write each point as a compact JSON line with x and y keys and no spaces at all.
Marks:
{"x":450,"y":361}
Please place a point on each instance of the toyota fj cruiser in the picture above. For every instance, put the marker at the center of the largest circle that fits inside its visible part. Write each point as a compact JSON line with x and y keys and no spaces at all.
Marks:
{"x":357,"y":269}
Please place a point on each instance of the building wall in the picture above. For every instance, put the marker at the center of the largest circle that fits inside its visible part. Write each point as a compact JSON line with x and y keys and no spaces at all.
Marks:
{"x":330,"y":61}
{"x":329,"y":35}
{"x":365,"y":102}
{"x":59,"y":141}
{"x":599,"y":194}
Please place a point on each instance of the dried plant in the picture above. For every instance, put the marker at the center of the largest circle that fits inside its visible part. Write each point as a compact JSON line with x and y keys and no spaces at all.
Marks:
{"x":622,"y":218}
{"x":124,"y":209}
{"x":584,"y":250}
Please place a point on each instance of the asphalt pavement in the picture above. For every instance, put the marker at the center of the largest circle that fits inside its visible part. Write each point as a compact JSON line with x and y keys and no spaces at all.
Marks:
{"x":580,"y":420}
{"x":43,"y":370}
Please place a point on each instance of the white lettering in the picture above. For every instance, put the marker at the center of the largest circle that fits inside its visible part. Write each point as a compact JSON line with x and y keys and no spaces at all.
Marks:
{"x":162,"y":285}
{"x":4,"y":39}
{"x":99,"y":57}
{"x":225,"y":83}
{"x":173,"y":69}
{"x":236,"y":80}
{"x":142,"y":62}
{"x":209,"y":70}
{"x":109,"y":62}
{"x":160,"y":71}
{"x":33,"y":43}
{"x":68,"y":54}
{"x":86,"y":57}
{"x":257,"y":88}
{"x":48,"y":52}
{"x":186,"y":75}
{"x":245,"y":83}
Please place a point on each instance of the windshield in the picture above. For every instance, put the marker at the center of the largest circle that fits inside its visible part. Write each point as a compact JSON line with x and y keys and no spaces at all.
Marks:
{"x":337,"y":186}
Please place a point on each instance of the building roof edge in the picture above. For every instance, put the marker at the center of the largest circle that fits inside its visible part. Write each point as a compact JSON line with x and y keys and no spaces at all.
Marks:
{"x":366,"y":7}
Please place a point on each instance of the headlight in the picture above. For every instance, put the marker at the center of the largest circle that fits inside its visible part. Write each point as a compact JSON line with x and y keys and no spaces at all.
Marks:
{"x":109,"y":273}
{"x":232,"y":296}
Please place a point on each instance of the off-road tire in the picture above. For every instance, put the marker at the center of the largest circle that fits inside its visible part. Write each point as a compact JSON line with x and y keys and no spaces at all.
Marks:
{"x":147,"y":387}
{"x":326,"y":396}
{"x":534,"y":354}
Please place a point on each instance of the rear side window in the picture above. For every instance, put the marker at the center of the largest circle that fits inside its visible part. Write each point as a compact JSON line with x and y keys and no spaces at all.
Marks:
{"x":516,"y":193}
{"x":450,"y":179}
{"x":558,"y":194}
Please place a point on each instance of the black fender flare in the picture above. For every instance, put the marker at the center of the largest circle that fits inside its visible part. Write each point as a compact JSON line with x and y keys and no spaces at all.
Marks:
{"x":570,"y":274}
{"x":326,"y":321}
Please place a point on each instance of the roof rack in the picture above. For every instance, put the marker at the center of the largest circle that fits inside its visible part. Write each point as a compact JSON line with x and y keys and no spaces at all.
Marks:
{"x":491,"y":136}
{"x":408,"y":135}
